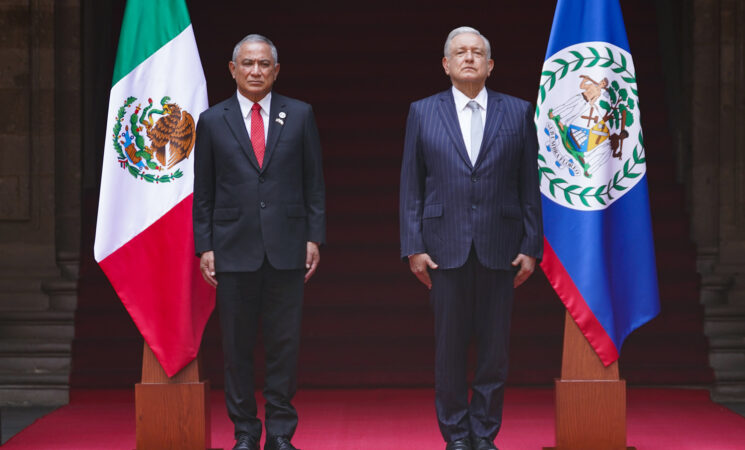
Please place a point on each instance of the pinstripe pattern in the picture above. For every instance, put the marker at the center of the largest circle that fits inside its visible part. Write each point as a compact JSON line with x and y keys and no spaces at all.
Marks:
{"x":471,"y":301}
{"x":447,"y":204}
{"x":472,"y":220}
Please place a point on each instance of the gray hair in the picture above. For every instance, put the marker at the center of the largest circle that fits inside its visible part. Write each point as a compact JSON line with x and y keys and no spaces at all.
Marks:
{"x":256,"y":38}
{"x":462,"y":30}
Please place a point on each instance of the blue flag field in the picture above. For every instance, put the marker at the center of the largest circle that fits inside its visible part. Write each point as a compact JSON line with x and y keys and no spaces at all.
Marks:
{"x":598,"y":248}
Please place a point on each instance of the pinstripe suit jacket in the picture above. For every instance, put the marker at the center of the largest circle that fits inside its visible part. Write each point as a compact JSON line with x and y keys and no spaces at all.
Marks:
{"x":447,"y":204}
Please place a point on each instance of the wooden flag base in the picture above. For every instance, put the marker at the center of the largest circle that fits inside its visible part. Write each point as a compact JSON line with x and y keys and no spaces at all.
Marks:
{"x":590,"y":398}
{"x":172,"y":413}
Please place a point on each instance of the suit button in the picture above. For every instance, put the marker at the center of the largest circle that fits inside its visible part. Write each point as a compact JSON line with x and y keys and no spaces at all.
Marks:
{"x":262,"y":204}
{"x":473,"y":206}
{"x":474,"y":179}
{"x":261,"y":179}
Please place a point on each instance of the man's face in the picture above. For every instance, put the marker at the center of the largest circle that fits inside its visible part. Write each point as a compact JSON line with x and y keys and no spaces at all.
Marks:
{"x":467,"y":62}
{"x":254,"y":70}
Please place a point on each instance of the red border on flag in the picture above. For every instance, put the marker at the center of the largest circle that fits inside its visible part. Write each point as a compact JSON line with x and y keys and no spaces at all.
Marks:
{"x":576,"y":305}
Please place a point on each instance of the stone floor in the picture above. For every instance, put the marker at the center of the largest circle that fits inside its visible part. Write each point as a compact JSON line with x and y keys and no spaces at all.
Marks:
{"x":739,"y":408}
{"x":15,"y":418}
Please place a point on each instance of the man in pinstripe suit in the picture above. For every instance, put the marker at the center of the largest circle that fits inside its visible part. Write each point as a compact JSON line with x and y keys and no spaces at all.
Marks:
{"x":471,"y":230}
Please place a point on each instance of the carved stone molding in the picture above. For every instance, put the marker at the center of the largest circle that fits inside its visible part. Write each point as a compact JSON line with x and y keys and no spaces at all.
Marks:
{"x":716,"y":174}
{"x":40,"y":188}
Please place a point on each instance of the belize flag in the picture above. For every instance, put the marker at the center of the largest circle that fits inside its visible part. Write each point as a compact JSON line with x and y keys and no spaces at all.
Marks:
{"x":598,"y":246}
{"x":144,"y":236}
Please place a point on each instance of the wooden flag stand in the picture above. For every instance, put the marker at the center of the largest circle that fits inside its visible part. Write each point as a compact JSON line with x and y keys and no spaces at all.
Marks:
{"x":590,"y":398}
{"x":172,"y":413}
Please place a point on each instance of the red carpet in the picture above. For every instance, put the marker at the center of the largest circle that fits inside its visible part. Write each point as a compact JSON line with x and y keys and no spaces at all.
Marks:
{"x":398,"y":419}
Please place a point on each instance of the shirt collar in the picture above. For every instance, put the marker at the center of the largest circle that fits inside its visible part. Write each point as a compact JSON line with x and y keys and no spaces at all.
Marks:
{"x":461,"y":100}
{"x":246,"y":104}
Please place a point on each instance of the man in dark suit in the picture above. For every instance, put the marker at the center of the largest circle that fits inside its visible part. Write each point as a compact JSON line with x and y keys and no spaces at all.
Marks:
{"x":471,"y":229}
{"x":259,"y":218}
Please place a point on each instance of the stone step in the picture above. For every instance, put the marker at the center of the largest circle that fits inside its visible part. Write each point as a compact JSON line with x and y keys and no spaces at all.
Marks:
{"x":728,"y":342}
{"x":36,"y":329}
{"x":9,"y":379}
{"x":40,"y":394}
{"x":34,"y":364}
{"x":37,"y":324}
{"x":34,"y":371}
{"x":22,"y":293}
{"x":725,"y":323}
{"x":63,"y":294}
{"x":34,"y":346}
{"x":27,"y":362}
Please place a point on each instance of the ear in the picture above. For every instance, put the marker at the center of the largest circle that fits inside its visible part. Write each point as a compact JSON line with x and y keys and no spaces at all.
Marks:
{"x":445,"y":65}
{"x":231,"y":68}
{"x":491,"y":67}
{"x":276,"y":71}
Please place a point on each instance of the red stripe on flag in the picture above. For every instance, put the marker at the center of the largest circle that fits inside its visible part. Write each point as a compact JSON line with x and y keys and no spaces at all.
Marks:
{"x":576,"y":305}
{"x":156,"y":275}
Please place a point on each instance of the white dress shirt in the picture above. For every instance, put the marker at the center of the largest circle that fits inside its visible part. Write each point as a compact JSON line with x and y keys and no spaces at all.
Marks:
{"x":464,"y":115}
{"x":246,"y":106}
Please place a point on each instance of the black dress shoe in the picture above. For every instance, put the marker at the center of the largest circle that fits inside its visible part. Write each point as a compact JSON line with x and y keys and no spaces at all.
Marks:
{"x":278,"y":443}
{"x":483,"y":444}
{"x":246,"y":442}
{"x":459,"y":444}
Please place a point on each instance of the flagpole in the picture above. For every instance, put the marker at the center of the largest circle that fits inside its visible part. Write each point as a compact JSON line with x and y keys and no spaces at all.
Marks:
{"x":590,"y":398}
{"x":599,"y":251}
{"x":172,"y":412}
{"x":167,"y":300}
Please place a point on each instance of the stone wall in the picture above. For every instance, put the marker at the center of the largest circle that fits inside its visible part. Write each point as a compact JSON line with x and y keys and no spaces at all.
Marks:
{"x":39,"y":196}
{"x":714,"y":170}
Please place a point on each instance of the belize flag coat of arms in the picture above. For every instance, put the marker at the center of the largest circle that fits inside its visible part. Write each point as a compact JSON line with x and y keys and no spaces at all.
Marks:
{"x":598,"y":249}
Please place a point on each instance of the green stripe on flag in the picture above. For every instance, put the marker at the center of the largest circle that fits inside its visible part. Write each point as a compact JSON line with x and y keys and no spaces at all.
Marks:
{"x":147,"y":26}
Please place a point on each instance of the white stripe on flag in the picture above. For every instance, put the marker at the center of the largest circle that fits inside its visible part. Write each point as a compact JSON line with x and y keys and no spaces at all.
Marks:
{"x":128,"y":205}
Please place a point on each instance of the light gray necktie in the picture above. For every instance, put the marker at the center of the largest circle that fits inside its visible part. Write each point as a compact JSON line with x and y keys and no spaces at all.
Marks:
{"x":477,"y":130}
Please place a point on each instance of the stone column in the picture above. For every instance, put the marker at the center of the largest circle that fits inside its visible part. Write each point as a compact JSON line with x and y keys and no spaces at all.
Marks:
{"x":67,"y":131}
{"x":39,"y":197}
{"x":717,"y":179}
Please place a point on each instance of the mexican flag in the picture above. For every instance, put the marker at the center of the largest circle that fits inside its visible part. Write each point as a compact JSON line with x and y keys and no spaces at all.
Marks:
{"x":144,"y":237}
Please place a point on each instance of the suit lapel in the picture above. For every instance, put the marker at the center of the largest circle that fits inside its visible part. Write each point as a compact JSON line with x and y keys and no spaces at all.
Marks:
{"x":237,"y":125}
{"x":276,"y":125}
{"x":450,"y":120}
{"x":494,"y":116}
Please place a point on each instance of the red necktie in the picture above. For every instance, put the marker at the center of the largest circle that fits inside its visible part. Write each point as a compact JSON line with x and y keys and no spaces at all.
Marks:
{"x":257,"y":133}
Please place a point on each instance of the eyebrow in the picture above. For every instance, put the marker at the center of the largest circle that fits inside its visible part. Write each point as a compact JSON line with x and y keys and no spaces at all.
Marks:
{"x":470,"y":48}
{"x":259,"y":60}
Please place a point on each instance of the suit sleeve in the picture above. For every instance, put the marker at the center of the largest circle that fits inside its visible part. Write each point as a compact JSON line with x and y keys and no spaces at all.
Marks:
{"x":530,"y":194}
{"x":411,"y":195}
{"x":204,"y":188}
{"x":313,"y":185}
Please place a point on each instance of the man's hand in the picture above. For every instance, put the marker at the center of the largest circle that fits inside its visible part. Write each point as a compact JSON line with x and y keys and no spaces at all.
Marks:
{"x":418,"y":264}
{"x":312,"y":258}
{"x":527,"y":266}
{"x":207,"y":267}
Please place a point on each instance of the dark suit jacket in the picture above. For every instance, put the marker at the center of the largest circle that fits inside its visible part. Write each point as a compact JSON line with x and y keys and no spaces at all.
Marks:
{"x":447,"y":204}
{"x":243,"y":212}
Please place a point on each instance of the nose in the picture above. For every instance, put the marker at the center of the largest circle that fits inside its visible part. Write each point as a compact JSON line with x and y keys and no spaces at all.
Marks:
{"x":469,"y":55}
{"x":255,"y":70}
